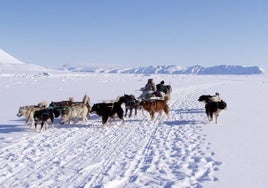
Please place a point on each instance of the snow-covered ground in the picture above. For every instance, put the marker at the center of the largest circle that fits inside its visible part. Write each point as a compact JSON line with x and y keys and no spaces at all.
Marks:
{"x":182,"y":150}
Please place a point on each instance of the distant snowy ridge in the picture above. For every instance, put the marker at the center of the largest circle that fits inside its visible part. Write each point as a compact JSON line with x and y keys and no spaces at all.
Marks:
{"x":169,"y":69}
{"x":9,"y":63}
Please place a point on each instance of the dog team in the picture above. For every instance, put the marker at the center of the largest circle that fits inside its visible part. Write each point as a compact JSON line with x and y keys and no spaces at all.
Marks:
{"x":154,"y":99}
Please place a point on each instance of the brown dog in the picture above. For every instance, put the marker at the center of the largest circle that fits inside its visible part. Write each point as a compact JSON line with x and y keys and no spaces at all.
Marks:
{"x":153,"y":106}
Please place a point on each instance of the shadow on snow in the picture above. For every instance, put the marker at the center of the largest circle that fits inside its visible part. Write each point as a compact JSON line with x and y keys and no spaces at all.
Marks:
{"x":13,"y":128}
{"x":186,"y":122}
{"x":190,"y":111}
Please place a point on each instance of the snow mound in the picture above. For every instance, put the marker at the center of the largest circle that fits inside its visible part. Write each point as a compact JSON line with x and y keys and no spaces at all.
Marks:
{"x":9,"y":64}
{"x":5,"y":58}
{"x":169,"y":69}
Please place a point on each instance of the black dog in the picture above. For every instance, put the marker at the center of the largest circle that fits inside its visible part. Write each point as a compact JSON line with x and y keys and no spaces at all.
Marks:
{"x":42,"y":116}
{"x":212,"y":107}
{"x":106,"y":110}
{"x":61,"y":106}
{"x":131,"y":103}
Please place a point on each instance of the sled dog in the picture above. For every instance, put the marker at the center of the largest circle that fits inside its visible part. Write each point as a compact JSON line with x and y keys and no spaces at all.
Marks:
{"x":213,"y":107}
{"x":109,"y":110}
{"x":154,"y":106}
{"x":43,"y":115}
{"x":28,"y":112}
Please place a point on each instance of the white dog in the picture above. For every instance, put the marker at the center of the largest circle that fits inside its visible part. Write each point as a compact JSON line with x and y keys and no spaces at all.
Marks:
{"x":75,"y":111}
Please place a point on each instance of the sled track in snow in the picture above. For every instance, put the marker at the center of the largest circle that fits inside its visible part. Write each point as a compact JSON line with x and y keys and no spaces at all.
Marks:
{"x":141,"y":153}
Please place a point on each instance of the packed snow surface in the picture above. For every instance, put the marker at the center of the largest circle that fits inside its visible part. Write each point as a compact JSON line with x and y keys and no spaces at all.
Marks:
{"x":179,"y":150}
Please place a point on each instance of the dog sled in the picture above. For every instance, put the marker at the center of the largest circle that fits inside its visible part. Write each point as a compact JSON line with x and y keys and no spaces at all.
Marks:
{"x":151,"y":95}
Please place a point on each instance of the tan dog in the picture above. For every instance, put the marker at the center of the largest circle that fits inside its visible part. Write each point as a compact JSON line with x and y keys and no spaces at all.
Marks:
{"x":77,"y":110}
{"x":154,"y":106}
{"x":28,"y":112}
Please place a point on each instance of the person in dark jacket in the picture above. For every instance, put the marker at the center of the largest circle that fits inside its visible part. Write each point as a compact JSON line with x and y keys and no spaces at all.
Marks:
{"x":161,"y":87}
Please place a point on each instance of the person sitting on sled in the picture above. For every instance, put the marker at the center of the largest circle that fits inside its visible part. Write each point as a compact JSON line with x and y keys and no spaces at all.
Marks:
{"x":150,"y":86}
{"x":148,"y":90}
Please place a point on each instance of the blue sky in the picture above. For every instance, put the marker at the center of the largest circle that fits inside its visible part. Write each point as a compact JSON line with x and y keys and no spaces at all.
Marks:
{"x":136,"y":32}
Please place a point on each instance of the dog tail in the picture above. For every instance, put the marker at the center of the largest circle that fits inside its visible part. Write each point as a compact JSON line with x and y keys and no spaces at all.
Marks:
{"x":86,"y":99}
{"x":71,"y":99}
